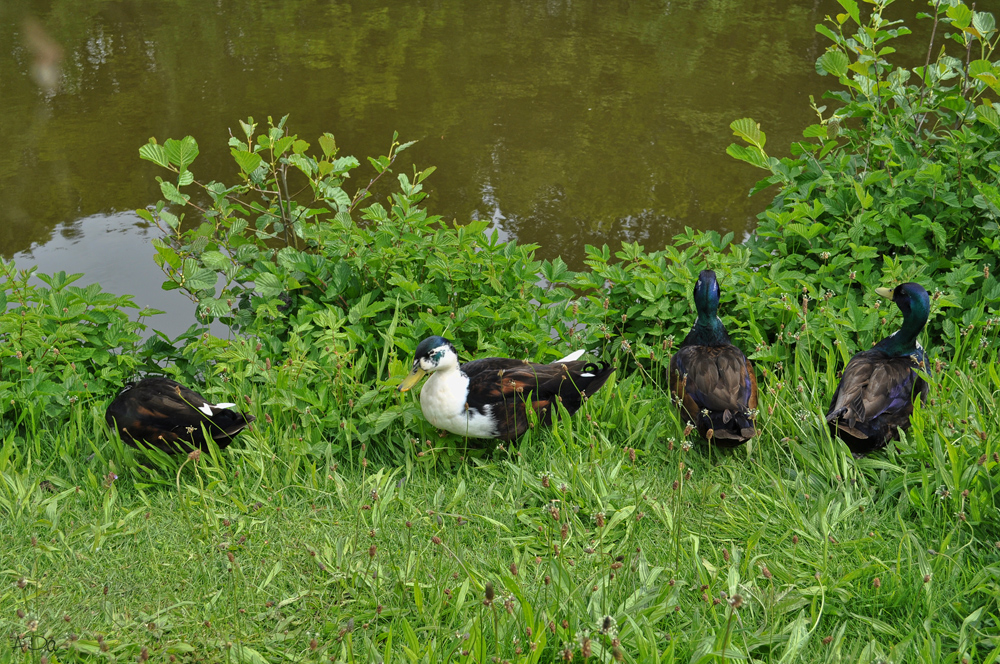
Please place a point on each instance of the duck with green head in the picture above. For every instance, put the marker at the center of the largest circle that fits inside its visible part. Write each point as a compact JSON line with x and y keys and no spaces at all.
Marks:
{"x":710,"y":377}
{"x":876,"y":393}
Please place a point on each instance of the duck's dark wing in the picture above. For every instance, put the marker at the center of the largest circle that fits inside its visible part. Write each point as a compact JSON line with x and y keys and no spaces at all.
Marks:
{"x":503,"y":387}
{"x":720,"y":380}
{"x":874,"y":398}
{"x":163,"y":413}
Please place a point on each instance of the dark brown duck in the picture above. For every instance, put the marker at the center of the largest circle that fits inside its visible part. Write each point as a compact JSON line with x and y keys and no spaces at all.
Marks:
{"x":164,"y":414}
{"x":875,"y":396}
{"x":711,"y":378}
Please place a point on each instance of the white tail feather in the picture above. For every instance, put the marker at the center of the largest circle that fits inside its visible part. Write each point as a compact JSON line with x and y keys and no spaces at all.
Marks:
{"x":572,"y":357}
{"x":207,"y":408}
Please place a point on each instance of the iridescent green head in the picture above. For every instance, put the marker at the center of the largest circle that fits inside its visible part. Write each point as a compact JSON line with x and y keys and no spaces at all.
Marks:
{"x":706,"y":295}
{"x":708,"y":329}
{"x":915,"y":305}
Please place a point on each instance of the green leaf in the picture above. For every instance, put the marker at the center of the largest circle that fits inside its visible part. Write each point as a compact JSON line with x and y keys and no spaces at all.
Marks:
{"x":960,"y":15}
{"x":797,"y":639}
{"x":170,"y":219}
{"x":155,"y":153}
{"x":991,"y":289}
{"x":181,"y":153}
{"x":751,"y":155}
{"x":304,"y":164}
{"x":832,"y":62}
{"x":749,"y":131}
{"x":894,"y":236}
{"x":988,"y":114}
{"x":977,"y":67}
{"x":172,"y":194}
{"x":984,"y":23}
{"x":247,"y":161}
{"x":246,"y":655}
{"x":861,"y":253}
{"x":215,"y":260}
{"x":248,"y":127}
{"x":282,"y":145}
{"x":345,"y":164}
{"x":165,"y":254}
{"x":238,"y":226}
{"x":195,"y":277}
{"x":247,"y":253}
{"x":385,"y":419}
{"x":328,"y":145}
{"x":828,"y":33}
{"x":341,"y":278}
{"x":337,"y":195}
{"x":851,"y":7}
{"x":814,"y":131}
{"x":863,"y":197}
{"x":268,"y":285}
{"x":423,"y":175}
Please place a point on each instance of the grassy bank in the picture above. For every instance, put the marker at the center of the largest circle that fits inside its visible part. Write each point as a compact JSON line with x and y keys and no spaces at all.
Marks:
{"x":786,"y":550}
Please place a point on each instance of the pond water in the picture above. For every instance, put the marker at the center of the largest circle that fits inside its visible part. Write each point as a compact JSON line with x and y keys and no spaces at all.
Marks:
{"x":565,"y":122}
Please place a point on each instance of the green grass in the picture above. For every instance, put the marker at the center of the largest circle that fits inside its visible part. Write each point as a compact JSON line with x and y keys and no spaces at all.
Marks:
{"x":282,"y":550}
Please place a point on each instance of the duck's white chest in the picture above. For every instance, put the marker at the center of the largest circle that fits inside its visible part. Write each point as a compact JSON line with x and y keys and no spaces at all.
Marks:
{"x":443,"y":400}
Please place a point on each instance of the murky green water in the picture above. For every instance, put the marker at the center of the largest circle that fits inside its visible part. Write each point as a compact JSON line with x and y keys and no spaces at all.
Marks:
{"x":566,"y":122}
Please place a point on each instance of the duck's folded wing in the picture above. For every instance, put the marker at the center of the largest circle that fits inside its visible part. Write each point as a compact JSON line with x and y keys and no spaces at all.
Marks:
{"x":889,"y":389}
{"x":869,"y":388}
{"x":718,"y":379}
{"x":176,"y":410}
{"x":489,"y":368}
{"x":503,"y":381}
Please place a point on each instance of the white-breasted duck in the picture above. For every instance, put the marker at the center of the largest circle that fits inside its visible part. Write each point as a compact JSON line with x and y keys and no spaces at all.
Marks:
{"x":488,"y":398}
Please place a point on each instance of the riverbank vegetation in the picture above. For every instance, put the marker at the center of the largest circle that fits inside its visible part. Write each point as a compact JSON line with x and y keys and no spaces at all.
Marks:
{"x":343,"y":528}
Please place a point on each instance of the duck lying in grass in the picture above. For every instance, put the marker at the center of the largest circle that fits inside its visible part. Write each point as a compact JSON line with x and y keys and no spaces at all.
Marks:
{"x":488,"y":398}
{"x":875,"y":396}
{"x":164,"y":414}
{"x":711,"y":378}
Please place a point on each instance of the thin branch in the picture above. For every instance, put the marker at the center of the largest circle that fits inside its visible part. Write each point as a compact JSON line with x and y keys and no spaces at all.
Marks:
{"x":927,"y":64}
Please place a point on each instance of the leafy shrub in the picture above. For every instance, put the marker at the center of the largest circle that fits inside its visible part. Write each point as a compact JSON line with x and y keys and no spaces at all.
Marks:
{"x":60,"y":344}
{"x":903,"y":172}
{"x":325,"y":305}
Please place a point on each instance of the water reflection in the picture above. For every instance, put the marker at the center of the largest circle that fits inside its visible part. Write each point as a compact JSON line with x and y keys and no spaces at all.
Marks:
{"x":563,"y":123}
{"x":99,"y":246}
